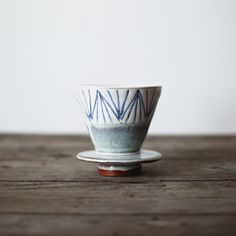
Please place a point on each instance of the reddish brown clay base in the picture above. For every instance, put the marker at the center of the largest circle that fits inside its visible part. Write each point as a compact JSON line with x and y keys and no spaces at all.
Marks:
{"x":120,"y":173}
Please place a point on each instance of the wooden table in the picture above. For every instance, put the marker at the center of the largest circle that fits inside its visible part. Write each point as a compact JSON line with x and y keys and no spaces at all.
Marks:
{"x":45,"y":190}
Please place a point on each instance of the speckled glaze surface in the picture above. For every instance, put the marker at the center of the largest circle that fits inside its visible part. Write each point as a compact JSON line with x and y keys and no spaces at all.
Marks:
{"x":118,"y":118}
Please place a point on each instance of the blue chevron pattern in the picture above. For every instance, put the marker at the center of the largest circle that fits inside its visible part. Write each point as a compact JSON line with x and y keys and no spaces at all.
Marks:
{"x":112,"y":106}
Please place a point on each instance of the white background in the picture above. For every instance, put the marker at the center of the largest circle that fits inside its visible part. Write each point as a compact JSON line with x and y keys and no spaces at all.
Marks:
{"x":189,"y":47}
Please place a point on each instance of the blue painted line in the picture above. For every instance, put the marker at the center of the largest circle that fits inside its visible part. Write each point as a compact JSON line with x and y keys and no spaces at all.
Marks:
{"x":118,"y":102}
{"x":133,"y":101}
{"x":151,"y":100}
{"x":90,"y":106}
{"x":102,"y":108}
{"x":135,"y":111}
{"x":123,"y":106}
{"x":105,"y":105}
{"x":118,"y":108}
{"x":112,"y":102}
{"x":87,"y":111}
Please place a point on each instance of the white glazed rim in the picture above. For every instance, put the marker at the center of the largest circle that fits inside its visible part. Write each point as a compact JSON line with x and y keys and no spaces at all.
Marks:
{"x":113,"y":86}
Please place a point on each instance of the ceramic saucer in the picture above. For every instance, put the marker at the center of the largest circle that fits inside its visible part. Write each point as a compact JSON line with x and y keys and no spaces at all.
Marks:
{"x":119,"y":164}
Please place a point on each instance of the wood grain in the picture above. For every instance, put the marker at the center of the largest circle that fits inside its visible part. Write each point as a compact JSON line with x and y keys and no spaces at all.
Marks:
{"x":119,"y":198}
{"x":45,"y":190}
{"x":114,"y":225}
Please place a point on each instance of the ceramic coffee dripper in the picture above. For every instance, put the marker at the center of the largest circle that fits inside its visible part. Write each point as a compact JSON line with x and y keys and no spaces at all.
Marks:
{"x":118,"y":117}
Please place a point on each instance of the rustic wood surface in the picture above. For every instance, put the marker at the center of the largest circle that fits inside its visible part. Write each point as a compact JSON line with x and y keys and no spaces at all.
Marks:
{"x":45,"y":190}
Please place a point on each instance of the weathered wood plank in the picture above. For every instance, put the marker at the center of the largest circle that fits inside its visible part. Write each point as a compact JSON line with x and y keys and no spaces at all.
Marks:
{"x":138,"y":225}
{"x":71,"y":169}
{"x":17,"y":147}
{"x":196,"y":197}
{"x":52,"y":158}
{"x":45,"y":190}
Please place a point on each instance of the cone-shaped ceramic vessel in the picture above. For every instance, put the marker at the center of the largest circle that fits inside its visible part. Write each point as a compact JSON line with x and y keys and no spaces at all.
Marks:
{"x":118,"y":117}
